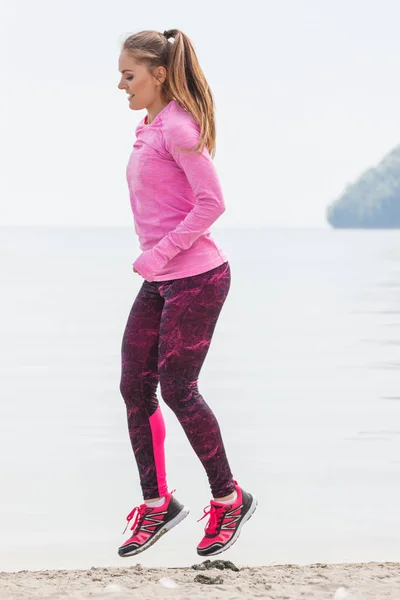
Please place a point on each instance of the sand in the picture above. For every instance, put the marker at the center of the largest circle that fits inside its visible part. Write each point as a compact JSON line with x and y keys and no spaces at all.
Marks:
{"x":286,"y":582}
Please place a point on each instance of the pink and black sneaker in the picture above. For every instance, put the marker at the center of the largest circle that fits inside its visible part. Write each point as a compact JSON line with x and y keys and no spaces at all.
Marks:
{"x":225,"y":522}
{"x":151,"y":523}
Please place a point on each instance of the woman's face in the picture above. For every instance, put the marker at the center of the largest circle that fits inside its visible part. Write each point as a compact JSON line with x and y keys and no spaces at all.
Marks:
{"x":143,"y":88}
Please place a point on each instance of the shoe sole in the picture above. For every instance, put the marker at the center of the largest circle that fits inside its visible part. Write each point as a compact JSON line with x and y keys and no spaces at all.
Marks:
{"x":235,"y":536}
{"x":182,"y":514}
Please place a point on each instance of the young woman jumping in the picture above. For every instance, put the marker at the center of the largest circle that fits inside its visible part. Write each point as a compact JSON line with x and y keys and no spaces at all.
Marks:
{"x":175,"y":196}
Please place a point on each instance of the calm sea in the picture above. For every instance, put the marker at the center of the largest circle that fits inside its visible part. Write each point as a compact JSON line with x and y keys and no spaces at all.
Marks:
{"x":303,"y":374}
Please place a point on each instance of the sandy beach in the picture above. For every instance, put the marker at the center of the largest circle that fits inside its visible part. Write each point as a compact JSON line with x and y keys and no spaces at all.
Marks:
{"x":286,"y":582}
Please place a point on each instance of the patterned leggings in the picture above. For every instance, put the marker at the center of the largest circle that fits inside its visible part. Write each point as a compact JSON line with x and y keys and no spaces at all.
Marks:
{"x":166,"y":340}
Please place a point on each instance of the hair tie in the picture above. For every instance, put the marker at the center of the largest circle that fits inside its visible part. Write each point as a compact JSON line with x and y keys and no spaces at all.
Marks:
{"x":166,"y":34}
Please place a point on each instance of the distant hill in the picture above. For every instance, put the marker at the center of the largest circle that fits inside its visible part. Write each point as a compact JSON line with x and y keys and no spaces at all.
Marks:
{"x":373,"y":201}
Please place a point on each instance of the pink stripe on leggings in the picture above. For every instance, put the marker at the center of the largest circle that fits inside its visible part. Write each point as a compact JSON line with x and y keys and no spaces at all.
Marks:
{"x":157,"y":426}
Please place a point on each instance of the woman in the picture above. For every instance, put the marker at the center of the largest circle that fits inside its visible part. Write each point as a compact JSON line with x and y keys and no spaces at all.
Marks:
{"x":175,"y":197}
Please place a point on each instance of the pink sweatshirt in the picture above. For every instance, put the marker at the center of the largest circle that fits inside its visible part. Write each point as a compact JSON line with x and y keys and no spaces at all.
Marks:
{"x":175,"y":198}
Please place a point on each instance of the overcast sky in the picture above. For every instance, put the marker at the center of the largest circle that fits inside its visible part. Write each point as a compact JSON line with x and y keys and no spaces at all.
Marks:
{"x":307,"y":95}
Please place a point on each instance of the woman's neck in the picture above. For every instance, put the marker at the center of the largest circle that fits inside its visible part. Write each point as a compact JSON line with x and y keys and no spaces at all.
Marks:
{"x":154,"y":109}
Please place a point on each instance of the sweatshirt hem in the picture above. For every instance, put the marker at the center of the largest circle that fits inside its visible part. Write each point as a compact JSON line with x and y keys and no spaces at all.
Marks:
{"x":192,"y":270}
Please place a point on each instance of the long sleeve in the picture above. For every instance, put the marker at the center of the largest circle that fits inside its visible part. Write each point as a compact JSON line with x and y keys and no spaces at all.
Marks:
{"x":203,"y":179}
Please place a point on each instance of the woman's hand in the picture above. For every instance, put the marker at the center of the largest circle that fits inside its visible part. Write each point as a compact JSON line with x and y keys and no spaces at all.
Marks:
{"x":144,"y":266}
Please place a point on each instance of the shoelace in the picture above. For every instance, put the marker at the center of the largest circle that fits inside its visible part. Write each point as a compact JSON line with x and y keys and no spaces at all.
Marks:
{"x":139,"y":512}
{"x":216,"y":514}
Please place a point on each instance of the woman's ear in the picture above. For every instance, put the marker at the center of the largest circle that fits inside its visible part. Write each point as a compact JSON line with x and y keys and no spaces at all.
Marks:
{"x":161,"y":74}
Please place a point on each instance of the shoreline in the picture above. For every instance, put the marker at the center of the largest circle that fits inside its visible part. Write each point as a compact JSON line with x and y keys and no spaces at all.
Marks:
{"x":292,"y":582}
